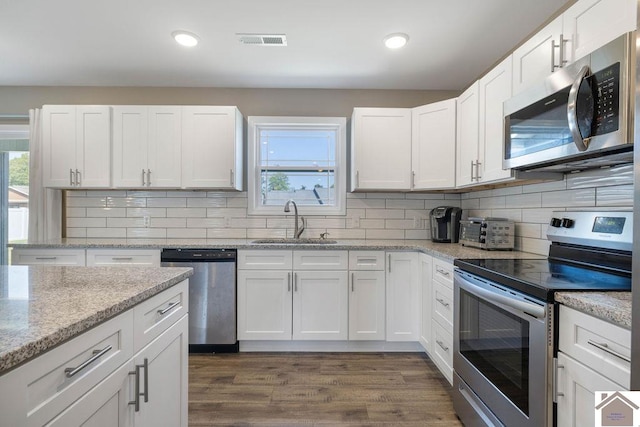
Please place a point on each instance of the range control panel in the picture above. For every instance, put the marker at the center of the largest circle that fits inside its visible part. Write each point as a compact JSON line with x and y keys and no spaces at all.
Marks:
{"x":607,"y":229}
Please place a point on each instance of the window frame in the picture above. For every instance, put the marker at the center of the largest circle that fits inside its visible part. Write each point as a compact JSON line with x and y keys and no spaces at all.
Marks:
{"x":256,"y":123}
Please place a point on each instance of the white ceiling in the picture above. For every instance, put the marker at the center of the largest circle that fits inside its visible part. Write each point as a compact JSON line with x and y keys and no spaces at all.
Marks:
{"x":331,"y":43}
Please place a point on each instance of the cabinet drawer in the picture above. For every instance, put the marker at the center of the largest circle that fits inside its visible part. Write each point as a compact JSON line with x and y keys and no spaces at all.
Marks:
{"x":366,"y":260}
{"x":155,"y":315}
{"x":48,"y":257}
{"x":443,"y":351}
{"x":603,"y":346}
{"x":442,"y":305}
{"x":265,"y":260}
{"x":320,"y":260}
{"x":142,"y":257}
{"x":47,"y":385}
{"x":443,"y":272}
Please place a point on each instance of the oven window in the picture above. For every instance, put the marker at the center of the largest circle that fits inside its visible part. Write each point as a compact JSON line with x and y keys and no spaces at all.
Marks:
{"x":496,"y":343}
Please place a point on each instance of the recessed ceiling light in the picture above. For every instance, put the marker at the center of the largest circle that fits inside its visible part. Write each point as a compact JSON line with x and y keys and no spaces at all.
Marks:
{"x":396,"y":40}
{"x":185,"y":38}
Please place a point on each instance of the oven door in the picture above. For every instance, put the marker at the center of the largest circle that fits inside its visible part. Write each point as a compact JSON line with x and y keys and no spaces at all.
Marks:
{"x":502,"y":355}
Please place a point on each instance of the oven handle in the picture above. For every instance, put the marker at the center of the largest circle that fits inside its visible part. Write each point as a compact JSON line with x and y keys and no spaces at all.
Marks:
{"x":536,"y":310}
{"x":572,"y":116}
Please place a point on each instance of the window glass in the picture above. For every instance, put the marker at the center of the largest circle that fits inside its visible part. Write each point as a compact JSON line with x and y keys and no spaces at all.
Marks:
{"x":300,"y":159}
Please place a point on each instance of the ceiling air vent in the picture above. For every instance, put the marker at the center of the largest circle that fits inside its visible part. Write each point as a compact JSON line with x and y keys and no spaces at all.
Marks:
{"x":263,"y":39}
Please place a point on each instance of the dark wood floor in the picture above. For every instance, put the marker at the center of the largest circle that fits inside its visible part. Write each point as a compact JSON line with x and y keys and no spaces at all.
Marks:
{"x":318,"y":389}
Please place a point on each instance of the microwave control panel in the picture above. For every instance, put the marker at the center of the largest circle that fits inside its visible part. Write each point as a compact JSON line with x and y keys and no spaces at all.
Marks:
{"x":605,"y":85}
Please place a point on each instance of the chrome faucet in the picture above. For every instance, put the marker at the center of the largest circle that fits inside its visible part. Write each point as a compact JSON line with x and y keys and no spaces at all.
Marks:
{"x":298,"y":231}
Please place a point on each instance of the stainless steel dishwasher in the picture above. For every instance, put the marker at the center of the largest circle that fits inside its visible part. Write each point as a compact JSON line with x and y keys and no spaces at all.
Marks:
{"x":212,"y":297}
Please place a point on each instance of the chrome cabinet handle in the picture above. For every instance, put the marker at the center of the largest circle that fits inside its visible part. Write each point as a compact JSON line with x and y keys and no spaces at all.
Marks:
{"x":580,"y":142}
{"x":145,"y":394}
{"x":443,"y":272}
{"x":148,"y":177}
{"x":289,"y":282}
{"x":143,"y":178}
{"x":553,"y":55}
{"x":295,"y":282}
{"x":168,"y":308}
{"x":357,"y":179}
{"x":413,"y":179}
{"x":231,"y":177}
{"x":555,"y":381}
{"x":472,"y":164}
{"x":125,"y":258}
{"x":604,"y":347}
{"x":443,"y":302}
{"x":389,"y":262}
{"x":71,"y":178}
{"x":352,"y":285}
{"x":478,"y":176}
{"x":442,"y":346}
{"x":560,"y":46}
{"x":44,"y":258}
{"x":78,"y":178}
{"x":97,"y":354}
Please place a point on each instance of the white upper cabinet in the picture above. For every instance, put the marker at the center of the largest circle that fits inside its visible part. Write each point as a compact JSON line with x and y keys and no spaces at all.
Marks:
{"x":538,"y":57}
{"x":467,"y":136}
{"x":381,"y":149}
{"x":590,"y":24}
{"x":212,"y":147}
{"x":146,"y":147}
{"x":76,"y":146}
{"x":433,"y":149}
{"x":495,"y":88}
{"x":584,"y":27}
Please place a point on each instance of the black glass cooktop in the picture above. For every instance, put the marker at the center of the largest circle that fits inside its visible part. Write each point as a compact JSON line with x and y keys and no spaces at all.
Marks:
{"x":541,"y":277}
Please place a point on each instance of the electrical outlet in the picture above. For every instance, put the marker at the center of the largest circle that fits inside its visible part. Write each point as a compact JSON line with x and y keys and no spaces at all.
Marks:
{"x":355,"y":222}
{"x":146,"y":221}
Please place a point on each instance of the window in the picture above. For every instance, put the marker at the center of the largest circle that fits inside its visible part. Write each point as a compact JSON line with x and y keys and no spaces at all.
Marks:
{"x":298,"y":158}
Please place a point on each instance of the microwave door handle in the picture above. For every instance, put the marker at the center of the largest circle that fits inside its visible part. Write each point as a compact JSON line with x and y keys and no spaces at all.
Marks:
{"x":572,"y":116}
{"x":536,"y":310}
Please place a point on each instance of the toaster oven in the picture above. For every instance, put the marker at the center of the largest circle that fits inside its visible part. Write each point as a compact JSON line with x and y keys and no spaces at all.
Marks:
{"x":487,"y":233}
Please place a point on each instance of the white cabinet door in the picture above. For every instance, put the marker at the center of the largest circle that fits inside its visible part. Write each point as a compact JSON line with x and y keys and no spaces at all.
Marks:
{"x":212,"y":147}
{"x":130,"y":146}
{"x":264,"y":305}
{"x":381,"y":149}
{"x":467,"y":135}
{"x":130,"y":257}
{"x":577,"y":385}
{"x":76,"y":146}
{"x":164,"y":147}
{"x":320,"y":305}
{"x":426,"y":265}
{"x":536,"y":58}
{"x":367,"y":305}
{"x":403,"y":302}
{"x":495,"y":88}
{"x":164,"y":380}
{"x":433,"y":150}
{"x":590,"y":24}
{"x":93,"y":146}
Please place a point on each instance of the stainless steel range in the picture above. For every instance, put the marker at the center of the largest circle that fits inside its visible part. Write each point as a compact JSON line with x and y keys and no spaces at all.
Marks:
{"x":505,"y":331}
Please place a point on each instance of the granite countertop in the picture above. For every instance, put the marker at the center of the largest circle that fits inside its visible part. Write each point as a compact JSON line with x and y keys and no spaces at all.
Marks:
{"x":448,"y":251}
{"x":614,"y":307}
{"x":43,"y":306}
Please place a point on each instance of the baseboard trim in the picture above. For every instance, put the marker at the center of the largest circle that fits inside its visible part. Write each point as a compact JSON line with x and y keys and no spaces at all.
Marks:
{"x":330,"y":346}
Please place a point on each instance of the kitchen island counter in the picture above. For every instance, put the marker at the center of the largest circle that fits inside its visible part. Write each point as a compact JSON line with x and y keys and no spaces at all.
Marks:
{"x":44,"y":306}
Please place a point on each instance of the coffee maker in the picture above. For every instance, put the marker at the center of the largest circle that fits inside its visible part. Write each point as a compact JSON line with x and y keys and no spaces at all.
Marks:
{"x":445,"y":224}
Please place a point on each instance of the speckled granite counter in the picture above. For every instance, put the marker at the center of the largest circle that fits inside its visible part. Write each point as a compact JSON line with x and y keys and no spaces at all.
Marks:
{"x":447,"y":251}
{"x":612,"y":306}
{"x":43,"y":306}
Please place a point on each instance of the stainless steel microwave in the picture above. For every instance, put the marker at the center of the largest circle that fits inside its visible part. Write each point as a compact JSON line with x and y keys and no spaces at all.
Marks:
{"x":579,"y":117}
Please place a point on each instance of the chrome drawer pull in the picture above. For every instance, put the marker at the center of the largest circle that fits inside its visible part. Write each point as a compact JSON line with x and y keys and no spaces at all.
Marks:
{"x":168,"y":308}
{"x":443,"y":302}
{"x":124,"y":258}
{"x":443,"y":272}
{"x":97,"y":354}
{"x":44,"y":258}
{"x":441,"y":344}
{"x":604,"y":347}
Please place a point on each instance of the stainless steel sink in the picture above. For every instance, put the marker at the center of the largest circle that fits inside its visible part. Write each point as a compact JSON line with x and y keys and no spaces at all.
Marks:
{"x":295,"y":241}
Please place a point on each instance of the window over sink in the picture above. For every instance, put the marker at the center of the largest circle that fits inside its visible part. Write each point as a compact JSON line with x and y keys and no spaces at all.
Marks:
{"x":297,"y":158}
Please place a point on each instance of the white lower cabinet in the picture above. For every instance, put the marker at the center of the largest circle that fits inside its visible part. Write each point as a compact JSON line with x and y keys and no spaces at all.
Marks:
{"x":102,"y":392}
{"x":47,"y":257}
{"x":426,"y":265}
{"x":299,"y":297}
{"x":403,"y":303}
{"x":442,"y":316}
{"x":130,"y":257}
{"x":593,"y":356}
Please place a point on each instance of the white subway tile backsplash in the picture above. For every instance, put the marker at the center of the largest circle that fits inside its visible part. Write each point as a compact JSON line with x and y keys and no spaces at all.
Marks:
{"x":86,"y":202}
{"x":226,"y":233}
{"x":366,"y":203}
{"x":207,"y":202}
{"x":537,"y":216}
{"x":205,"y":222}
{"x":248,"y":222}
{"x":226,"y":213}
{"x":258,"y":233}
{"x":417,"y":234}
{"x":427,"y":196}
{"x":186,"y":233}
{"x":569,"y":198}
{"x":87,"y":222}
{"x":167,"y":202}
{"x":106,"y":233}
{"x":528,"y":200}
{"x":620,"y":195}
{"x":496,"y":202}
{"x":545,"y":186}
{"x":372,"y":223}
{"x":126,"y":202}
{"x":186,"y":212}
{"x":621,"y":175}
{"x":125,"y":222}
{"x":149,"y":233}
{"x":512,"y":214}
{"x":150,"y":212}
{"x":405,"y":204}
{"x":470,"y":204}
{"x":384,"y":234}
{"x":399,"y":224}
{"x":530,"y":230}
{"x":346,"y":233}
{"x":507,"y":191}
{"x":102,"y":193}
{"x":106,"y":212}
{"x":76,"y":212}
{"x":237,"y":202}
{"x":187,"y":193}
{"x":384,"y":213}
{"x":146,"y":194}
{"x":535,"y":246}
{"x":168,"y":222}
{"x":385,"y":195}
{"x":326,"y":223}
{"x":76,"y":232}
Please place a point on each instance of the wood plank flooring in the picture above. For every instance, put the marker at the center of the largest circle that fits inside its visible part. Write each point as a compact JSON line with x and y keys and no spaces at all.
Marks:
{"x":318,"y":389}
